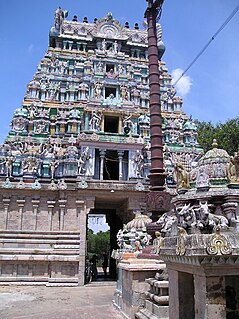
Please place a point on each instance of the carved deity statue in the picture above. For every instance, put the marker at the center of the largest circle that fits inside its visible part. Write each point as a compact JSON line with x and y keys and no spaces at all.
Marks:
{"x":116,"y":47}
{"x":127,"y":122}
{"x":83,"y":160}
{"x":182,"y":176}
{"x":233,"y":168}
{"x":59,"y":17}
{"x":53,"y":165}
{"x":97,"y":89}
{"x":103,"y":45}
{"x":139,"y":164}
{"x":95,"y":121}
{"x":124,"y":92}
{"x":30,"y":165}
{"x":8,"y":164}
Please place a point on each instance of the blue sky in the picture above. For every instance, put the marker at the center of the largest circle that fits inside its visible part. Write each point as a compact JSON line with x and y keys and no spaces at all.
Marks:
{"x":211,"y":89}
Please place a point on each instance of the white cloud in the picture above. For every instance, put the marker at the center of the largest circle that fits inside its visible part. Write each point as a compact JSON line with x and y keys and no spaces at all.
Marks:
{"x":30,"y":48}
{"x":183,"y":86}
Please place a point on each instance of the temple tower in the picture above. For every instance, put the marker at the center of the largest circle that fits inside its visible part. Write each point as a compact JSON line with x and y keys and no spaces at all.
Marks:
{"x":80,"y":143}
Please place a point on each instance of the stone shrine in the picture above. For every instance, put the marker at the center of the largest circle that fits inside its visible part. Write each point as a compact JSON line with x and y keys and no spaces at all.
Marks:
{"x":198,"y":241}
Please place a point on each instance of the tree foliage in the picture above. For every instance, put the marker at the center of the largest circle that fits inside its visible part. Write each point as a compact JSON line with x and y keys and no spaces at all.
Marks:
{"x":98,"y":243}
{"x":226,"y":134}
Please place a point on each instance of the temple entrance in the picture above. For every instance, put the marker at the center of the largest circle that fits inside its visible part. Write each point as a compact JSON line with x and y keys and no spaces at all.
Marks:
{"x":102,"y":227}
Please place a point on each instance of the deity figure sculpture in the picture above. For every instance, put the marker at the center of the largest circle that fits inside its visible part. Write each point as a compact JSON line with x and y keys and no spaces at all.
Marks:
{"x":233,"y":168}
{"x":124,"y":92}
{"x":32,"y":111}
{"x":157,"y":243}
{"x":181,"y":176}
{"x":8,"y":164}
{"x":111,"y":74}
{"x":53,"y":165}
{"x":18,"y":124}
{"x":30,"y":165}
{"x":121,"y":69}
{"x":127,"y":122}
{"x":139,"y":164}
{"x":82,"y":162}
{"x":116,"y":47}
{"x":59,"y":17}
{"x":99,"y":66}
{"x":103,"y":45}
{"x":95,"y":121}
{"x":97,"y":89}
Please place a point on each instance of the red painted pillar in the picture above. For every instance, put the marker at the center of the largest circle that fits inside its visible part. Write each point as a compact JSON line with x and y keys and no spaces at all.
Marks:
{"x":158,"y":201}
{"x":157,"y":173}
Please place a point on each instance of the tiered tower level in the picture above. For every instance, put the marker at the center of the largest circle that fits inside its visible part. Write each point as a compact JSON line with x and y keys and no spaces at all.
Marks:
{"x":80,"y":144}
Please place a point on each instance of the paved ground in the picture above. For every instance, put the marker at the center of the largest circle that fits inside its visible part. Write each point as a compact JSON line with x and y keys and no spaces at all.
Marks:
{"x":91,"y":301}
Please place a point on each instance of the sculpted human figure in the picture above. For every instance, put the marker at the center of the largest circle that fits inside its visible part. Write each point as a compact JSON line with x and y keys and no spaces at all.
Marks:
{"x":139,"y":164}
{"x":182,"y":176}
{"x":127,"y":122}
{"x":59,"y":17}
{"x":30,"y":165}
{"x":95,"y":121}
{"x":157,"y":243}
{"x":8,"y":164}
{"x":124,"y":92}
{"x":82,"y":162}
{"x":103,"y":45}
{"x":233,"y":168}
{"x":116,"y":46}
{"x":97,"y":89}
{"x":53,"y":165}
{"x":99,"y":66}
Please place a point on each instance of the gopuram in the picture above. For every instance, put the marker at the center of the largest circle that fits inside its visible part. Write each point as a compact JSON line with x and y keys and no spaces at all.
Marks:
{"x":80,"y":144}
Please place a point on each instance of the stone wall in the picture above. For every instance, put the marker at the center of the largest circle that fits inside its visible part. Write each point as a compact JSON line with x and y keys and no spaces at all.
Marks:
{"x":42,"y":237}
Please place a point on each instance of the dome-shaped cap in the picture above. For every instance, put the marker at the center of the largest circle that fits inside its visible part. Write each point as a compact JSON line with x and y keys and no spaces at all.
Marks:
{"x":139,"y":222}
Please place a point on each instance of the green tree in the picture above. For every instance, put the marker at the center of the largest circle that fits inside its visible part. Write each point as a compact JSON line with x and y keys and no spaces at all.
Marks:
{"x":206,"y":134}
{"x":226,"y":134}
{"x":98,"y":243}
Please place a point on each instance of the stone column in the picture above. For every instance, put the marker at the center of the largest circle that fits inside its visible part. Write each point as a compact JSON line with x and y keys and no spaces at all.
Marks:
{"x":20,"y":203}
{"x":62,"y":205}
{"x":215,"y":298}
{"x":84,"y":46}
{"x":173,"y":294}
{"x":79,"y":207}
{"x":35,"y":205}
{"x":120,"y":125}
{"x":50,"y":204}
{"x":102,"y":123}
{"x":120,"y":156}
{"x":102,"y":158}
{"x":86,"y":121}
{"x":200,"y":296}
{"x":6,"y":203}
{"x":84,"y":207}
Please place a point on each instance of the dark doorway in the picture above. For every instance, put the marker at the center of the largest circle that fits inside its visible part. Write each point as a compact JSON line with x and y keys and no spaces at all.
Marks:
{"x":111,"y":124}
{"x":111,"y":165}
{"x":110,"y":67}
{"x":109,"y":91}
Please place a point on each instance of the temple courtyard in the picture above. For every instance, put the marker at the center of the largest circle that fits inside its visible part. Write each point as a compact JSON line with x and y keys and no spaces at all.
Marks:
{"x":28,"y":302}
